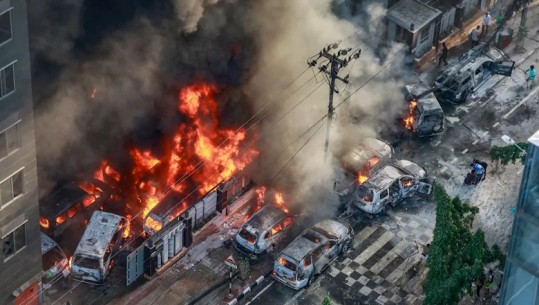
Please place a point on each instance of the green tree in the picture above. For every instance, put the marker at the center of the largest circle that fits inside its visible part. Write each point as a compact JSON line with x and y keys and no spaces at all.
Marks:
{"x":326,"y":301}
{"x":456,"y":255}
{"x":510,"y":153}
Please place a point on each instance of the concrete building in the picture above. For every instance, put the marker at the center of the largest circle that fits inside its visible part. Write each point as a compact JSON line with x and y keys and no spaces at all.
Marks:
{"x":521,"y":276}
{"x":20,"y":255}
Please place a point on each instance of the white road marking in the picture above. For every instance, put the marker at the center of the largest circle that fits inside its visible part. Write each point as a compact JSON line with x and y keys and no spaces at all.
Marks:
{"x":488,"y":100}
{"x":465,"y":151}
{"x":521,"y":102}
{"x":475,"y":142}
{"x":496,"y":124}
{"x":260,"y":293}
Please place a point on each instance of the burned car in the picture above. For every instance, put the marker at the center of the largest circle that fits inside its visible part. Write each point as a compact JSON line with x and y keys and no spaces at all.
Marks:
{"x":262,"y":230}
{"x":425,"y":115}
{"x":393,"y":183}
{"x":472,"y":70}
{"x":54,"y":261}
{"x":357,"y":164}
{"x":311,"y":253}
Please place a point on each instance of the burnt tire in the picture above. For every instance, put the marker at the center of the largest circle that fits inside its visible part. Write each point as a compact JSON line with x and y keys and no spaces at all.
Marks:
{"x":345,"y":248}
{"x":437,"y":127}
{"x":310,"y":281}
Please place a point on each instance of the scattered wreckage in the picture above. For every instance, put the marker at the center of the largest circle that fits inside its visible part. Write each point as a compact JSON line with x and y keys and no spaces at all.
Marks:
{"x":472,"y":70}
{"x":311,"y":253}
{"x":357,"y":164}
{"x":389,"y":186}
{"x":263,"y":230}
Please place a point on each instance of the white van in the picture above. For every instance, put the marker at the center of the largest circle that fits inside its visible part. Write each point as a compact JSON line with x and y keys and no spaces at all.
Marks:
{"x":311,"y":253}
{"x":54,"y":262}
{"x":98,"y":244}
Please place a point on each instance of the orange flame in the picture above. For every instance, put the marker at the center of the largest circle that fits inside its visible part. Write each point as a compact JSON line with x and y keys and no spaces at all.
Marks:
{"x":361,"y":178}
{"x":153,"y":224}
{"x":70,"y":262}
{"x":44,"y":222}
{"x":408,"y":183}
{"x":127,"y":228}
{"x":279,"y":200}
{"x":409,"y":119}
{"x":88,"y":200}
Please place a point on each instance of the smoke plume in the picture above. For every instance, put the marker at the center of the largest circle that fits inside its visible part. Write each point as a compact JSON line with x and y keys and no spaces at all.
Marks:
{"x":253,"y":49}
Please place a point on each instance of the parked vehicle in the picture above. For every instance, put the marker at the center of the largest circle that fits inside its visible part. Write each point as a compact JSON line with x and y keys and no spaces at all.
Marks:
{"x":393,"y":183}
{"x":54,"y":261}
{"x":311,"y":253}
{"x":426,"y":116}
{"x":361,"y":162}
{"x":68,"y":205}
{"x":101,"y":240}
{"x":472,"y":70}
{"x":263,"y":230}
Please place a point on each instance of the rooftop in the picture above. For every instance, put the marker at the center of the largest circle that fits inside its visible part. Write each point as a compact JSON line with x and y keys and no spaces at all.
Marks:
{"x":408,"y":12}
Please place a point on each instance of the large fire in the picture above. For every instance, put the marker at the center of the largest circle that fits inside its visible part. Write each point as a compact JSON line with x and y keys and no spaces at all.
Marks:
{"x":409,"y":120}
{"x":279,"y":201}
{"x":198,"y":155}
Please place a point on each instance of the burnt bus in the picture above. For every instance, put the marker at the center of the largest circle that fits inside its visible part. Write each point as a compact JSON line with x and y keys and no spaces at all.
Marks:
{"x":65,"y":207}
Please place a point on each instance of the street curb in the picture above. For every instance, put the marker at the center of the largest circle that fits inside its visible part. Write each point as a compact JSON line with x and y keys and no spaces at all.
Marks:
{"x":211,"y":289}
{"x":247,"y":290}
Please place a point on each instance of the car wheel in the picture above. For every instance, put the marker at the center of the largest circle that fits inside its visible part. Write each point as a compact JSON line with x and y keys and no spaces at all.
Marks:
{"x":437,"y":127}
{"x":311,"y":280}
{"x":345,"y":248}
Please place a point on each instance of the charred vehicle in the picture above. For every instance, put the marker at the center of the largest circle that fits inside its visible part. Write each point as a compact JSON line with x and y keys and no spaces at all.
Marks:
{"x":393,"y":183}
{"x":361,"y":162}
{"x":68,"y":205}
{"x":101,"y":240}
{"x":262,"y":230}
{"x":311,"y":253}
{"x":472,"y":70}
{"x":54,"y":261}
{"x":425,"y":115}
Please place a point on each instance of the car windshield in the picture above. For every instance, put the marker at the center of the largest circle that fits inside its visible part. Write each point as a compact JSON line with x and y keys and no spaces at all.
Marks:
{"x":283,"y":261}
{"x":84,"y":262}
{"x":365,"y":194}
{"x":51,"y":258}
{"x":248,"y":236}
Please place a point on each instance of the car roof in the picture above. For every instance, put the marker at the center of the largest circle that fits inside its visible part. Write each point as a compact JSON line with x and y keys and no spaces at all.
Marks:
{"x":368,"y":148}
{"x":383,"y":178}
{"x":265,"y":218}
{"x":61,"y":200}
{"x":305,"y":243}
{"x":98,"y":233}
{"x":47,"y":243}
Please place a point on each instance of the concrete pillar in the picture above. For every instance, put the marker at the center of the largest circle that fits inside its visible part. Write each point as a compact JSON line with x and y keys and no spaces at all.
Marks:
{"x":171,"y":245}
{"x":164,"y":252}
{"x":178,"y":241}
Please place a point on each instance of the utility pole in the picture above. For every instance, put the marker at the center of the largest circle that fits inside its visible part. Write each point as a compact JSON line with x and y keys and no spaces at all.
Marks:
{"x":337,"y":61}
{"x":522,"y":30}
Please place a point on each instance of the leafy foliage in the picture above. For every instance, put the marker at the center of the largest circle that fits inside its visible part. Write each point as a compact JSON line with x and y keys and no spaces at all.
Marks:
{"x":509,"y":153}
{"x":457,"y":255}
{"x":326,"y":301}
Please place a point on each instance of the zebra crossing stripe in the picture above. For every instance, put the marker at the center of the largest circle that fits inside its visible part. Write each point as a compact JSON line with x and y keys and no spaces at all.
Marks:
{"x":368,"y":252}
{"x":363,"y":234}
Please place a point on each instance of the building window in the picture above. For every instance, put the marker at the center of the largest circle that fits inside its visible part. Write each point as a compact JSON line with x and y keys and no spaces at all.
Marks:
{"x":424,"y":35}
{"x":5,"y":27}
{"x":7,"y":80}
{"x":10,"y":140}
{"x":14,"y":241}
{"x":11,"y":188}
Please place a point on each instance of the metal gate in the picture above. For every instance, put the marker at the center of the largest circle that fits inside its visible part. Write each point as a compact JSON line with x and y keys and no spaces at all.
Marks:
{"x":135,"y":265}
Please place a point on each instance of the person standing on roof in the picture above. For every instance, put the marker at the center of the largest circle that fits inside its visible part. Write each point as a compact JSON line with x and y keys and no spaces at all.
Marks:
{"x":443,"y":55}
{"x":530,"y":81}
{"x":486,"y":23}
{"x":474,"y":36}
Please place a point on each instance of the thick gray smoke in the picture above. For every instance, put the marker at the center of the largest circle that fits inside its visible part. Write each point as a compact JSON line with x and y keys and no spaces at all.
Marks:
{"x":257,"y":47}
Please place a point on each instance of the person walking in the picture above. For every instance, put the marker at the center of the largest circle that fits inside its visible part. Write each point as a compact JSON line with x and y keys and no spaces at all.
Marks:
{"x":530,"y":80}
{"x":474,"y":36}
{"x":443,"y":55}
{"x":486,"y":23}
